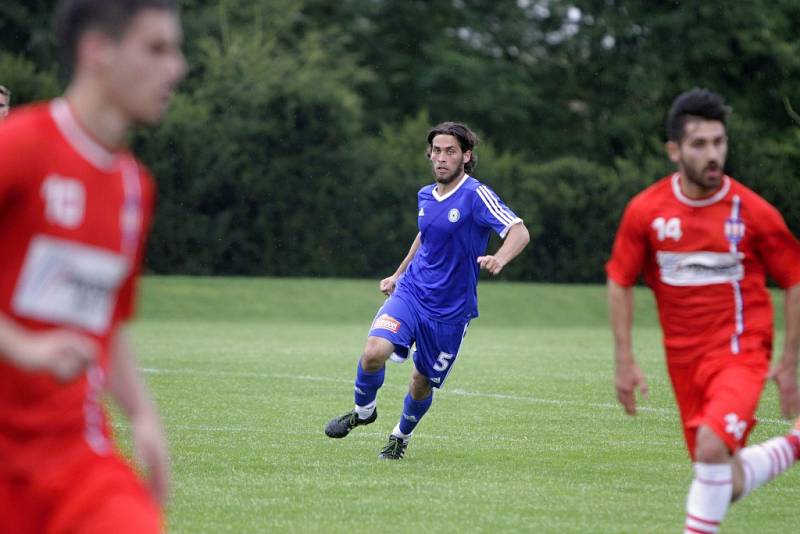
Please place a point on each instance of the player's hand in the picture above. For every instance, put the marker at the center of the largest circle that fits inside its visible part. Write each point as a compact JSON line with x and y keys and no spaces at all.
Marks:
{"x":785,"y":376}
{"x":627,"y":377}
{"x":491,"y":264}
{"x":388,"y":284}
{"x":62,"y":353}
{"x":151,"y":453}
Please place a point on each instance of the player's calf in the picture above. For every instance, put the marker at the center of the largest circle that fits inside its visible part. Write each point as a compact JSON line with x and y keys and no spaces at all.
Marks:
{"x":763,"y":462}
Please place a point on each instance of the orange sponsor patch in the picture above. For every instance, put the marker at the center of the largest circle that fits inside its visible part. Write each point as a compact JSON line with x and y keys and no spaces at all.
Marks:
{"x":387,"y":322}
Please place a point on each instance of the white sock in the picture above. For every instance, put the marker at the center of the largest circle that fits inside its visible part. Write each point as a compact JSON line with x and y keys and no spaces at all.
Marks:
{"x":709,"y":498}
{"x":763,"y":462}
{"x":396,"y":432}
{"x":366,"y":411}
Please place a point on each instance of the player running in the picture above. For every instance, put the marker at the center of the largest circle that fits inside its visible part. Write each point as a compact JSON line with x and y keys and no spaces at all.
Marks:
{"x":432,"y":295}
{"x":75,"y":207}
{"x":705,"y":244}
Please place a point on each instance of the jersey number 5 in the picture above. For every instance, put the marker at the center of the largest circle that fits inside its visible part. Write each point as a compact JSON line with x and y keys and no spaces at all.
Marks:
{"x":667,"y":228}
{"x":443,"y":362}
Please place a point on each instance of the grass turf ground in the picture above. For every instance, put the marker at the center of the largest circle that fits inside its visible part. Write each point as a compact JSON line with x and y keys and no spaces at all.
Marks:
{"x":525,"y":437}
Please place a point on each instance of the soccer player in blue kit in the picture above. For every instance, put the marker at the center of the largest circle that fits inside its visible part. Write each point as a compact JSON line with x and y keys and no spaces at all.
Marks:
{"x":433,"y":294}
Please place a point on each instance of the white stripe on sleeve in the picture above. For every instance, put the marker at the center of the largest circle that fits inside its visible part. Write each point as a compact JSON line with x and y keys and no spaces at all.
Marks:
{"x":507,"y":228}
{"x":494,"y":207}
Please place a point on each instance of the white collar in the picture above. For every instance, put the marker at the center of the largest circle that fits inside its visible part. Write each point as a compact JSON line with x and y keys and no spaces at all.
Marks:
{"x":79,"y":139}
{"x":440,"y":198}
{"x":700,"y":202}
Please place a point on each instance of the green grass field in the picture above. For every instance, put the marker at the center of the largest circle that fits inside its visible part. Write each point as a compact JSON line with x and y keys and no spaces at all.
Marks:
{"x":525,"y":437}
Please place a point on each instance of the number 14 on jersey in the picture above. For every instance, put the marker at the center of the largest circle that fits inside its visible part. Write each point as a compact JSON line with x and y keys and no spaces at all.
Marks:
{"x":667,"y":228}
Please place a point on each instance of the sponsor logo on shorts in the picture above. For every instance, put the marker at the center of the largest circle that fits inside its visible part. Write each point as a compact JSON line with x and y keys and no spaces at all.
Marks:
{"x":735,"y":426}
{"x":387,"y":322}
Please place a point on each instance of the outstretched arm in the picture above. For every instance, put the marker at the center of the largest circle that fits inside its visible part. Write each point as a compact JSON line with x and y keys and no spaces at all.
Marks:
{"x":388,"y":284}
{"x":516,"y":240}
{"x":627,"y":374}
{"x":129,"y":390}
{"x":785,"y":371}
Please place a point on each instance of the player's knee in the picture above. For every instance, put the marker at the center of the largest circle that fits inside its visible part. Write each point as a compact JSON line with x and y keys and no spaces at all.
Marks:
{"x":376,"y":352}
{"x":420,"y":387}
{"x":710,"y":448}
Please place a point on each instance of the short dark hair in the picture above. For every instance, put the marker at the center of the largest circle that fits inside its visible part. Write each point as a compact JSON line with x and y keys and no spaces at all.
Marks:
{"x":467,"y":139}
{"x":695,"y":104}
{"x":111,"y":17}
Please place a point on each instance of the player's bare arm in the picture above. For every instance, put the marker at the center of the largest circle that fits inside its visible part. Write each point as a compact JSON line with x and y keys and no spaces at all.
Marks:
{"x":129,"y":390}
{"x":388,"y":284}
{"x":627,"y":374}
{"x":60,"y":352}
{"x":516,"y":240}
{"x":785,"y":371}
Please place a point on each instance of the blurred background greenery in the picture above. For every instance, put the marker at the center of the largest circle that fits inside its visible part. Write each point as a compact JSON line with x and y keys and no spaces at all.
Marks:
{"x":297,"y":143}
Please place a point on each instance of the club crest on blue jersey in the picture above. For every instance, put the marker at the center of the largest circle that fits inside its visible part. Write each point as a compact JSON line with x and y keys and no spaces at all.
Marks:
{"x":454,"y":215}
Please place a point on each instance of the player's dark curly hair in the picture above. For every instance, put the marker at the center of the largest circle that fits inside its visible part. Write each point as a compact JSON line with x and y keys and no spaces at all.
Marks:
{"x":111,"y":17}
{"x":466,"y":140}
{"x":693,"y":104}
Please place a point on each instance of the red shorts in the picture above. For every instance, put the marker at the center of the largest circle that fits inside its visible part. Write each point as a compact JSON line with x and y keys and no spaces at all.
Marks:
{"x":82,"y":493}
{"x":722,"y":393}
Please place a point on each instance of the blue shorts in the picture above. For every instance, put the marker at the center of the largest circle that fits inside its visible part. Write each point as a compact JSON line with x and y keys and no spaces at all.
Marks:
{"x":437,"y":343}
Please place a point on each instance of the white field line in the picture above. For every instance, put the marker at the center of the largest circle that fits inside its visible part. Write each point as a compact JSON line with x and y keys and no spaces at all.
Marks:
{"x":445,"y":392}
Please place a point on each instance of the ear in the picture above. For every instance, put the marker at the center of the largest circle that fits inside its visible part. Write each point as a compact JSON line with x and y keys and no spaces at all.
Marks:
{"x":674,"y":151}
{"x":466,"y":156}
{"x":95,"y":50}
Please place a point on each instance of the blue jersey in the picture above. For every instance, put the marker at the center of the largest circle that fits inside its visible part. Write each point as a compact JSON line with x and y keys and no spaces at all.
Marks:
{"x":454,"y":231}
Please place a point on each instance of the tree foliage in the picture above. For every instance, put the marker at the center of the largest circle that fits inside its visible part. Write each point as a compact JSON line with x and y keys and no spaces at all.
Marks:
{"x":297,"y":143}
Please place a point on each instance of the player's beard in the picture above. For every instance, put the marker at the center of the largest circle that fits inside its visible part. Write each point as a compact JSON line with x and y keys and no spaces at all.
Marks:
{"x":701,"y":179}
{"x":448,"y":178}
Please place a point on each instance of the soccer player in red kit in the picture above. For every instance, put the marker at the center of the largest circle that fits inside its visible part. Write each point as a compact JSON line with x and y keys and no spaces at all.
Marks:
{"x":705,"y":244}
{"x":75,"y":207}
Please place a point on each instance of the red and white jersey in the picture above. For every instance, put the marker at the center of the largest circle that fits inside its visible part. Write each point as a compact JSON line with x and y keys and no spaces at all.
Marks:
{"x":706,"y":260}
{"x":73,"y":218}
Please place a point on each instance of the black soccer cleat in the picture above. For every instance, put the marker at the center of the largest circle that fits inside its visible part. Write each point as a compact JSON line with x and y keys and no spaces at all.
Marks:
{"x":395,"y":449}
{"x":339,"y":427}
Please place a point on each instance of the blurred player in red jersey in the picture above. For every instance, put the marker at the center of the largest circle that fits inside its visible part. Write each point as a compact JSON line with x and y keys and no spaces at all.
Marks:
{"x":705,"y":244}
{"x":75,"y":207}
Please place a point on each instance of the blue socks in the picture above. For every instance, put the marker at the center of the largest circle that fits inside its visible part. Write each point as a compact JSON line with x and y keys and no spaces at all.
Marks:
{"x":367,"y":386}
{"x":413,"y":410}
{"x":366,"y":390}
